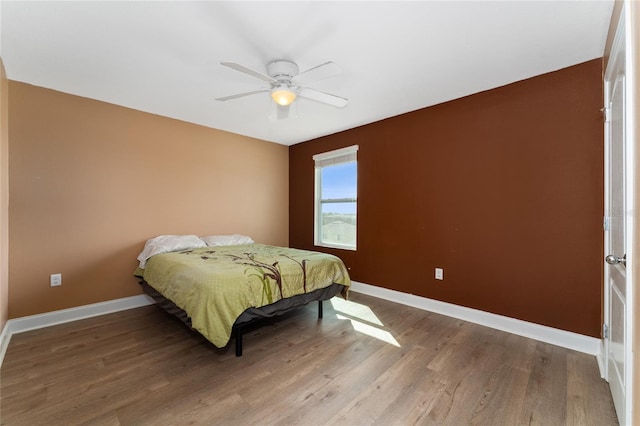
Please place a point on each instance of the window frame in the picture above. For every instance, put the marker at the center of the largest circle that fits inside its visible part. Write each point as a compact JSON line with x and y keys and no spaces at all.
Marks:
{"x":332,"y":158}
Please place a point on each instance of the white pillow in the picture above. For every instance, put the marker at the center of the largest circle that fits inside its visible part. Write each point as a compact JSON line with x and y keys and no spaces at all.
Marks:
{"x":227,"y":240}
{"x":167,"y":243}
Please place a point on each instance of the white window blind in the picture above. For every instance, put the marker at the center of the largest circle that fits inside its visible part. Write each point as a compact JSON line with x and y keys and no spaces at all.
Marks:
{"x":338,"y":156}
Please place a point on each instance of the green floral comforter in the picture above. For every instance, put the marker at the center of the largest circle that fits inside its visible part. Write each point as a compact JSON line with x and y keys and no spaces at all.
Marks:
{"x":214,"y":285}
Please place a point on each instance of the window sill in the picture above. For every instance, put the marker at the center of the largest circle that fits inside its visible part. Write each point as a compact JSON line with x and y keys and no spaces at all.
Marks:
{"x":335,"y":246}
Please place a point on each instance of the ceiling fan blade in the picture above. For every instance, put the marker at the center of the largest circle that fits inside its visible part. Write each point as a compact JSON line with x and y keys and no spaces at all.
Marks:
{"x":241,"y":95}
{"x":323,"y":97}
{"x":317,"y":73}
{"x":236,"y":66}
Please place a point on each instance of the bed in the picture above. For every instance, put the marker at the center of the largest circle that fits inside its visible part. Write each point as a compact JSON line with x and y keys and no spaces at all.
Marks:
{"x":218,"y":290}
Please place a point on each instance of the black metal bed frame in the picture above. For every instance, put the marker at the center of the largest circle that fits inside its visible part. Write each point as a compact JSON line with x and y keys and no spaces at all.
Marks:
{"x":251,"y":315}
{"x":239,"y":328}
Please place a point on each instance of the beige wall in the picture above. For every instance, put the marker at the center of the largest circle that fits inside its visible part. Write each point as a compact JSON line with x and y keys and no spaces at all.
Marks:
{"x":4,"y":197}
{"x":91,"y":181}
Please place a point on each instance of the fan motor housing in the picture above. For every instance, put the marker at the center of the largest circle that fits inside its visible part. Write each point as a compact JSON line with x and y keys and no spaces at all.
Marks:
{"x":281,"y":69}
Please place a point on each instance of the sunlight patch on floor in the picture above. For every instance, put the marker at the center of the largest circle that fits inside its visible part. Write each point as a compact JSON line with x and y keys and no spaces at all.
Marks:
{"x":363,"y":320}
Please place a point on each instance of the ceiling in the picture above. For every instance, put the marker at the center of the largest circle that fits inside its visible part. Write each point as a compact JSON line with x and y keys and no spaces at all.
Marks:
{"x":164,"y":57}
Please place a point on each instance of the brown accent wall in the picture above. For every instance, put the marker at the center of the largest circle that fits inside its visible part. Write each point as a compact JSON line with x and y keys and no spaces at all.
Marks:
{"x":4,"y":197}
{"x":90,"y":182}
{"x":503,"y":189}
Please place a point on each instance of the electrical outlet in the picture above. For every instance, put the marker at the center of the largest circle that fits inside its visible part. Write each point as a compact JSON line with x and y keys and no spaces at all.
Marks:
{"x":55,"y":280}
{"x":439,"y":274}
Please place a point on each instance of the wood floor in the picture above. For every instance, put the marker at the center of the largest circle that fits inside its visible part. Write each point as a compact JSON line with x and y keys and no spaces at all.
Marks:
{"x":368,"y":362}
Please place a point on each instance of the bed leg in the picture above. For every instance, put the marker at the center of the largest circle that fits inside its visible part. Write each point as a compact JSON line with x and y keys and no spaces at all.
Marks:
{"x":319,"y":309}
{"x":238,"y":342}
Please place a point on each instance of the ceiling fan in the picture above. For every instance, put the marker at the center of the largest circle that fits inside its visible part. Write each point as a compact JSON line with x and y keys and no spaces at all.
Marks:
{"x":287,"y":84}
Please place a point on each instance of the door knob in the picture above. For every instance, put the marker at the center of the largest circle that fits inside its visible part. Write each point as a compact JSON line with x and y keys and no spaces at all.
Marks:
{"x":614,"y":260}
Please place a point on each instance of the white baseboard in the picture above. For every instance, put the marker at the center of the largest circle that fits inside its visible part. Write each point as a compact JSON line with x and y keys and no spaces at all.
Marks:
{"x":601,"y":360}
{"x":562,"y":338}
{"x":5,"y":337}
{"x":32,"y":322}
{"x":565,"y":339}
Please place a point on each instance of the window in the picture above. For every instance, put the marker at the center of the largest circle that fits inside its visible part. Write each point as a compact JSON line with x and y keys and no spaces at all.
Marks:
{"x":336,"y":198}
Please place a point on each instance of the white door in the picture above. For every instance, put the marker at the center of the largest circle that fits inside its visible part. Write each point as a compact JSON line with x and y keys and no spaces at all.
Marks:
{"x":617,"y":228}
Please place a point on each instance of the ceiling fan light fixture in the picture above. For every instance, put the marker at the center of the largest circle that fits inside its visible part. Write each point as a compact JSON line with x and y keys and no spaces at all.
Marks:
{"x":283,"y":95}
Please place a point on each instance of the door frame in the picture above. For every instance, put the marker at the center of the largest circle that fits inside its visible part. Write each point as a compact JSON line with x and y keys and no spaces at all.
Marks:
{"x":622,"y":40}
